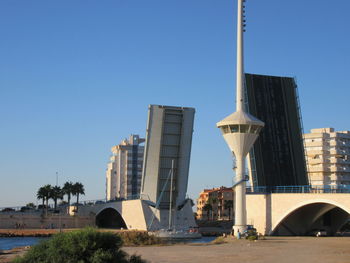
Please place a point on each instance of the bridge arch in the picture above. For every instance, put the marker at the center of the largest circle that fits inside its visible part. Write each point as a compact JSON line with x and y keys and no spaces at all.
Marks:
{"x":109,"y":217}
{"x":311,"y":215}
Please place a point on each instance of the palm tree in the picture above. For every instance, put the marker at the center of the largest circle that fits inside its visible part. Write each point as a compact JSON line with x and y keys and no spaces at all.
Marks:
{"x":68,"y":190}
{"x":41,"y":194}
{"x":44,"y":193}
{"x":56,"y":193}
{"x":228,"y":205}
{"x":48,"y":195}
{"x":213,"y":202}
{"x":208,"y":207}
{"x":78,"y":189}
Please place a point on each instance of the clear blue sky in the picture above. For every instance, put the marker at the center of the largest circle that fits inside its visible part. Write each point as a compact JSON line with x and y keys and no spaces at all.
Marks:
{"x":76,"y":77}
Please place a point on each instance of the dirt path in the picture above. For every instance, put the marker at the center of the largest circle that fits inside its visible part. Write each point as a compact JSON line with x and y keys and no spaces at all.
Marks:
{"x":272,"y":250}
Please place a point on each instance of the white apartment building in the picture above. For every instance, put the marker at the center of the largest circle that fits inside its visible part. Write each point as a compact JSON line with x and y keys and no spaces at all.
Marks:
{"x":124,"y":171}
{"x":328,"y":157}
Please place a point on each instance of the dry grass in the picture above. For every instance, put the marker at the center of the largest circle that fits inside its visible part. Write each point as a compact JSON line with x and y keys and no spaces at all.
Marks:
{"x":219,"y":240}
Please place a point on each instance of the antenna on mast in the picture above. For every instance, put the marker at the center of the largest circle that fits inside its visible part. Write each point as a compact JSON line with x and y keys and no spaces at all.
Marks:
{"x":243,"y":16}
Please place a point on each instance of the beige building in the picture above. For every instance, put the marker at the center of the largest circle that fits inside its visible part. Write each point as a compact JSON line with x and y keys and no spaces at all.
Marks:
{"x":221,"y":203}
{"x":124,"y":171}
{"x":328,"y":157}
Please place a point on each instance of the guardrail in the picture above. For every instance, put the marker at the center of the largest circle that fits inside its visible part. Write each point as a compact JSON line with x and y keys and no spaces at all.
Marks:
{"x":336,"y":189}
{"x":63,"y":206}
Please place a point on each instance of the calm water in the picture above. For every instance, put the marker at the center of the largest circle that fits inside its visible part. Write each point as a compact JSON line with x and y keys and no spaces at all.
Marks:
{"x":200,"y":240}
{"x":203,"y":240}
{"x":12,"y":242}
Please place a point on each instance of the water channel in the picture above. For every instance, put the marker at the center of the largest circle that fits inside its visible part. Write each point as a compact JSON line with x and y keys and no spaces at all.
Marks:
{"x":7,"y":243}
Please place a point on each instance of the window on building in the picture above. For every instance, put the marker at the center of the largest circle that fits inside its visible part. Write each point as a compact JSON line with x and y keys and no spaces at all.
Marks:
{"x":225,"y":129}
{"x":234,"y":128}
{"x":243,"y":128}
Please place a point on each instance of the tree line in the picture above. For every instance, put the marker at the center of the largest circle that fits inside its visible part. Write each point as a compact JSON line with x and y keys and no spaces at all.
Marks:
{"x":47,"y":192}
{"x":208,"y":207}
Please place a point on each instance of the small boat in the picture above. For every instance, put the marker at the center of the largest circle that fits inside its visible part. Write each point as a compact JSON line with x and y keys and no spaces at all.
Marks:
{"x":174,"y":234}
{"x":171,"y":232}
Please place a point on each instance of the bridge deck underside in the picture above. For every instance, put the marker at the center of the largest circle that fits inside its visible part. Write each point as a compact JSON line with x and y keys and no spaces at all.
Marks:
{"x":110,"y":218}
{"x":311,"y":218}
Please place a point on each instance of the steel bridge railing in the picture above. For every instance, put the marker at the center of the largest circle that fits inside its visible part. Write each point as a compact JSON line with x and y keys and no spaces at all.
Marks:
{"x":39,"y":208}
{"x":336,"y":189}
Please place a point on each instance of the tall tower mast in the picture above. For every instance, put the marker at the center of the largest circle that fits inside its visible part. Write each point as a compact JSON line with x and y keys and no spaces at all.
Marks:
{"x":240,"y":130}
{"x":240,"y":64}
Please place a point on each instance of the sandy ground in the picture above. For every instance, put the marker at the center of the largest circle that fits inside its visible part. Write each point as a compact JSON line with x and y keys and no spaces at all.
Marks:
{"x":8,"y":255}
{"x":272,"y":250}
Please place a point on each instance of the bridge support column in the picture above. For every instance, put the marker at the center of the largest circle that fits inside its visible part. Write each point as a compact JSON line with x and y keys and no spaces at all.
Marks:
{"x":240,"y":198}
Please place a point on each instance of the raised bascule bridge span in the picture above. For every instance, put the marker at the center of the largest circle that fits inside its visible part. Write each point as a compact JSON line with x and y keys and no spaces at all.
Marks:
{"x":298,"y":210}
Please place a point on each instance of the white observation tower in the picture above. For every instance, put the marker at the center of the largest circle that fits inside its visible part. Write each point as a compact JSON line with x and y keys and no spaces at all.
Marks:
{"x":240,"y":130}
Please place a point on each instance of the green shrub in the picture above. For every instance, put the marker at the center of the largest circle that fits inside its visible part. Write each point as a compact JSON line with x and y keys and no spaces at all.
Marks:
{"x":252,"y":238}
{"x":252,"y":234}
{"x":83,"y":246}
{"x":138,"y":238}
